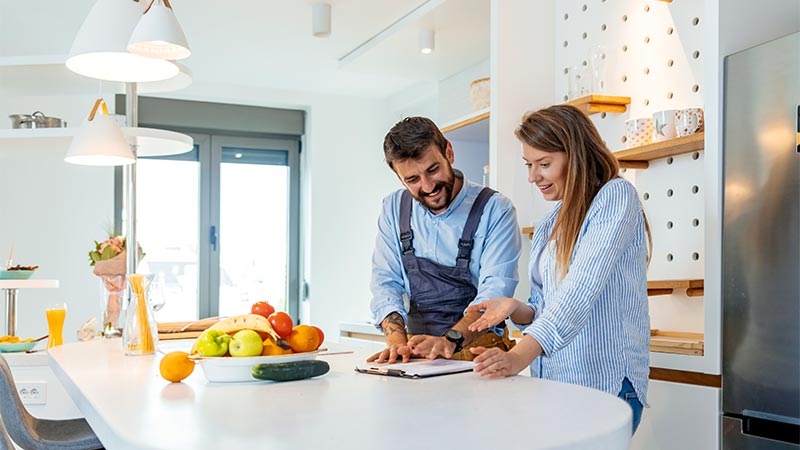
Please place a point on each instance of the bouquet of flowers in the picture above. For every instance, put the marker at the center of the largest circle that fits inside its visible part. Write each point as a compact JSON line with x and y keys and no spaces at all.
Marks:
{"x":109,"y":259}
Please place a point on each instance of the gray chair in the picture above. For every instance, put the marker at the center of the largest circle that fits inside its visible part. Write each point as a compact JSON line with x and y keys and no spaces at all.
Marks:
{"x":32,"y":433}
{"x":5,"y":439}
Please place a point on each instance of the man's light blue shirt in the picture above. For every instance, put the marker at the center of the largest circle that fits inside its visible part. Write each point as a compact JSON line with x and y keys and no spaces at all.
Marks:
{"x":494,"y":258}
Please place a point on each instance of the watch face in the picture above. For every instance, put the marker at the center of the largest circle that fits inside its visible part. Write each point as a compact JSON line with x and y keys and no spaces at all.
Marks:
{"x":454,"y":335}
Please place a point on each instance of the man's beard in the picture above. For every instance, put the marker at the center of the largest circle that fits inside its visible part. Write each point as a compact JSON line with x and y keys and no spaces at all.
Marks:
{"x":442,"y":202}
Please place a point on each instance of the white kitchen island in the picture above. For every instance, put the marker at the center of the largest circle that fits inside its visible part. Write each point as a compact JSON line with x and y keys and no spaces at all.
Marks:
{"x":130,"y":406}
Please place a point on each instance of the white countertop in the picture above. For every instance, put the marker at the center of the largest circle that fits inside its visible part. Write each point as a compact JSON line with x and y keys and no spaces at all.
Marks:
{"x":130,"y":406}
{"x":28,"y":284}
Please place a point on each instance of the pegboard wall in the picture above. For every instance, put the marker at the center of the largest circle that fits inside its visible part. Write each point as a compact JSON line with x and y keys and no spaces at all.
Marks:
{"x":651,"y":51}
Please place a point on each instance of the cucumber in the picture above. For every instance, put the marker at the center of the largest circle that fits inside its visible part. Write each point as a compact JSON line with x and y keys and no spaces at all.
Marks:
{"x":290,"y":371}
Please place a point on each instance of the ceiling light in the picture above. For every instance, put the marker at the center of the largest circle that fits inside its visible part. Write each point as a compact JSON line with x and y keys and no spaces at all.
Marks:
{"x":321,"y":19}
{"x":426,"y":41}
{"x":100,"y":141}
{"x":100,"y":47}
{"x":158,"y":34}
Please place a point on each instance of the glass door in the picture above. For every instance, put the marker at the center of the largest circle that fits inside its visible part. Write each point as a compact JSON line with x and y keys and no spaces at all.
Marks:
{"x":256,"y":238}
{"x":219,"y":225}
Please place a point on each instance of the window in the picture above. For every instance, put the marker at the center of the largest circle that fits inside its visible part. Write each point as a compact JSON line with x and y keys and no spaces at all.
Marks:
{"x":220,"y":225}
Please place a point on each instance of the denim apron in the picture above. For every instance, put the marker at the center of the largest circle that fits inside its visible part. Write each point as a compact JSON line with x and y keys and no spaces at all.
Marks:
{"x":439,"y":294}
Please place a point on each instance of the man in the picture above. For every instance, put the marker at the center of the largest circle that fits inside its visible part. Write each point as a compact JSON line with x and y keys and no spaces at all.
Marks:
{"x":443,"y":243}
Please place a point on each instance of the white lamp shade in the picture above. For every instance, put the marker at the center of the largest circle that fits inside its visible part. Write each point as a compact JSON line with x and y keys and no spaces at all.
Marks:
{"x":100,"y":142}
{"x":100,"y":47}
{"x":321,"y":19}
{"x":159,"y":35}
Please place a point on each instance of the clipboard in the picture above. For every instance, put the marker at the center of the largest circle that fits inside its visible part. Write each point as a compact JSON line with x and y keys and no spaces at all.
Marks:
{"x":416,"y":369}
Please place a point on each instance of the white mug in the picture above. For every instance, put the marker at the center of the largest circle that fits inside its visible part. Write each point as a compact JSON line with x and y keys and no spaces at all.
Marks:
{"x":690,"y":121}
{"x":665,"y":125}
{"x":638,"y":132}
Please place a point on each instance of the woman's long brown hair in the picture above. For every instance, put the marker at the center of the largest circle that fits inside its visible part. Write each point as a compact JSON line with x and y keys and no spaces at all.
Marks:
{"x":564,"y":128}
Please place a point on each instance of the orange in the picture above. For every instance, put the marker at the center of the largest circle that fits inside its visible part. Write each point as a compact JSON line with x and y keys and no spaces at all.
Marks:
{"x":175,"y":366}
{"x":272,"y":349}
{"x":304,"y":338}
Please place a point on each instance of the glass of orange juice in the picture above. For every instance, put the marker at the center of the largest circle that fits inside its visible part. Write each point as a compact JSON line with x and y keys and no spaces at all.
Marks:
{"x":55,"y":324}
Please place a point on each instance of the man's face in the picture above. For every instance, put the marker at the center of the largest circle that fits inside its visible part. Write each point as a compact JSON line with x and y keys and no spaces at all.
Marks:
{"x":430,"y":178}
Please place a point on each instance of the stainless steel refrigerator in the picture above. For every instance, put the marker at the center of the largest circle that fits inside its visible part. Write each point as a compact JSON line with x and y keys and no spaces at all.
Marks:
{"x":761,"y":248}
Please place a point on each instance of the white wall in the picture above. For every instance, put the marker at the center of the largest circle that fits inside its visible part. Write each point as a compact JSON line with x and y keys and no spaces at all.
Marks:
{"x":52,"y":211}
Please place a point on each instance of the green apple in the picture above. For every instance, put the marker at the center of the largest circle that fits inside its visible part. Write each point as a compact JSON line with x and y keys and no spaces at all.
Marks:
{"x":213,"y":343}
{"x":245,"y":343}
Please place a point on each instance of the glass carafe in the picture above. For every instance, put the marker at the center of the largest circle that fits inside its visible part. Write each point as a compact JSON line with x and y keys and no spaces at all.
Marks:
{"x":140,"y":335}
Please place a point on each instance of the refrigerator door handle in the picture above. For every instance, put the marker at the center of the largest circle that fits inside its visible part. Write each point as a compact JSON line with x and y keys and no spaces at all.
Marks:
{"x":777,"y":430}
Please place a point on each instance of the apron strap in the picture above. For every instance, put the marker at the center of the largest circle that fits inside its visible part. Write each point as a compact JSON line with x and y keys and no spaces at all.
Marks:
{"x":406,"y":235}
{"x":474,"y":218}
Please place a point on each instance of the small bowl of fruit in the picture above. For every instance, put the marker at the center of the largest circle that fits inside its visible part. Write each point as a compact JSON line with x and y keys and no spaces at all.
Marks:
{"x":17,"y":272}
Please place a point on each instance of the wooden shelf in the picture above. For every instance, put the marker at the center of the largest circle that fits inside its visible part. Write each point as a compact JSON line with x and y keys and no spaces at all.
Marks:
{"x":528,"y":231}
{"x":637,"y":157}
{"x":467,"y":120}
{"x":676,"y":342}
{"x":593,"y":104}
{"x":694,"y":288}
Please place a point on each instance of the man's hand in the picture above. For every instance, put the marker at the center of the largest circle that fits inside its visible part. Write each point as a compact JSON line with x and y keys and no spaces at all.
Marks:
{"x":494,"y":311}
{"x":391,"y":353}
{"x":431,"y":347}
{"x":396,"y":341}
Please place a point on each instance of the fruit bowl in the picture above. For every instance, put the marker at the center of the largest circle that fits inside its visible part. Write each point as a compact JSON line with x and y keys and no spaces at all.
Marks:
{"x":17,"y":347}
{"x":228,"y":369}
{"x":15,"y":274}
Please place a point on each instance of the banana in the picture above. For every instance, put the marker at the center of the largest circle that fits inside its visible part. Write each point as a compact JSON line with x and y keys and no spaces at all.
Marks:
{"x":247,"y":321}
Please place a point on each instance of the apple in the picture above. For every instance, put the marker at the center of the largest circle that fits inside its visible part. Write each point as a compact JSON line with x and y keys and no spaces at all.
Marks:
{"x":245,"y":343}
{"x":213,"y":343}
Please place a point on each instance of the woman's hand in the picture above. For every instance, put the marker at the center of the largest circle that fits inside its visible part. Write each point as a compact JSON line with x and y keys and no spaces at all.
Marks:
{"x":495,"y":363}
{"x":494,"y":310}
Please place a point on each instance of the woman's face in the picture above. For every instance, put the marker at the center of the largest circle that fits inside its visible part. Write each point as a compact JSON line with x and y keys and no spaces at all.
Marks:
{"x":547,"y":170}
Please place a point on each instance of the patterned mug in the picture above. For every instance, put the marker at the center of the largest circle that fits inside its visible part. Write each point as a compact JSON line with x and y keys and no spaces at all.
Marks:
{"x":665,"y":125}
{"x":689,"y":121}
{"x":638,"y":132}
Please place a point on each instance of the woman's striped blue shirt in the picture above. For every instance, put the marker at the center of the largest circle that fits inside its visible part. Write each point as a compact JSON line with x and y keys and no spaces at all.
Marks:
{"x":594,"y":324}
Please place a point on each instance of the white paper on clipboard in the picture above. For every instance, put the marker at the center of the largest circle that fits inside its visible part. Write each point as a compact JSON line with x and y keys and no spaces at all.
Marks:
{"x":422,"y":368}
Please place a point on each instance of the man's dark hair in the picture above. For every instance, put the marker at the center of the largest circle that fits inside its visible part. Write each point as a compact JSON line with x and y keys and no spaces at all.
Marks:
{"x":410,"y":137}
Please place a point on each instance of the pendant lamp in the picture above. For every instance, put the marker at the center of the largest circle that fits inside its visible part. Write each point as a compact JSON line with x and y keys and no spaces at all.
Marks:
{"x":100,"y":141}
{"x":100,"y":49}
{"x":158,"y":34}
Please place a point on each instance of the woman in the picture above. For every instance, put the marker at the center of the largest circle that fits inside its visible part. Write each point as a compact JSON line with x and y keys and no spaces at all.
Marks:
{"x":587,"y":320}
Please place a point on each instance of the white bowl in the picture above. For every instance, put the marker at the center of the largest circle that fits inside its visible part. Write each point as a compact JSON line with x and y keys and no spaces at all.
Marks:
{"x":228,"y":369}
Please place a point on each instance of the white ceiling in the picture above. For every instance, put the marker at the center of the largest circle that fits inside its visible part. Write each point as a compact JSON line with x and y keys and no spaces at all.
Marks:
{"x":268,"y":43}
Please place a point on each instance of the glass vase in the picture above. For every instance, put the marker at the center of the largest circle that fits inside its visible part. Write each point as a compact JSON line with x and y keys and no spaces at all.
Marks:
{"x":113,"y":292}
{"x":140,"y":335}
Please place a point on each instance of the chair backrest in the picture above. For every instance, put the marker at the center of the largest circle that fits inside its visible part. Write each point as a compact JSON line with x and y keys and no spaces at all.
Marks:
{"x":5,"y":439}
{"x":18,"y":421}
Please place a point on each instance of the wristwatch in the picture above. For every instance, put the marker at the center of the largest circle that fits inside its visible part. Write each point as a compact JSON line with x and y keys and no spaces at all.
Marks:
{"x":455,"y":337}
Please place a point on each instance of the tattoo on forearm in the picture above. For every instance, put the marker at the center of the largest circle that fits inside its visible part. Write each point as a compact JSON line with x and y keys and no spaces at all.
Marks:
{"x":393,"y":323}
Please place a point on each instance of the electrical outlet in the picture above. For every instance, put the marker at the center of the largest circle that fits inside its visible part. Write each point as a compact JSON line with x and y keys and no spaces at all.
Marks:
{"x":33,"y":392}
